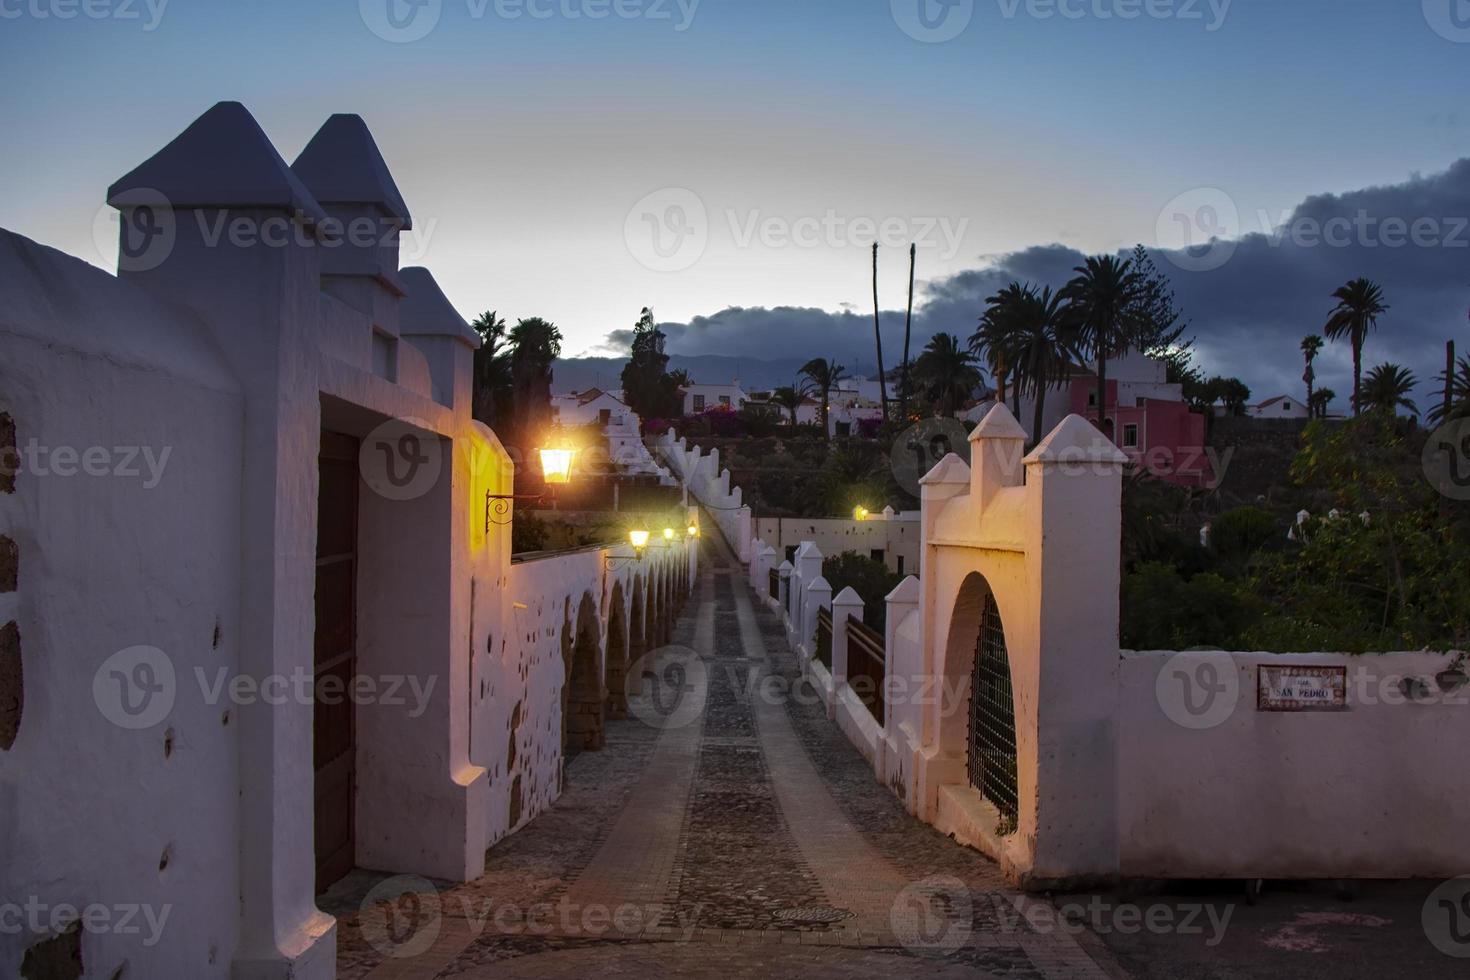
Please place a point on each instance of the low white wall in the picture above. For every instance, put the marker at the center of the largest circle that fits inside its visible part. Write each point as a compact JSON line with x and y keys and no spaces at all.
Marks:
{"x":710,"y":485}
{"x":899,"y":540}
{"x":1373,"y":791}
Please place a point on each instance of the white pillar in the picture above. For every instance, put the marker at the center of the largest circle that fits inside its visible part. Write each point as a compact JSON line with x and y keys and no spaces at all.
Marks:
{"x":785,"y":572}
{"x":818,"y":596}
{"x":847,"y":605}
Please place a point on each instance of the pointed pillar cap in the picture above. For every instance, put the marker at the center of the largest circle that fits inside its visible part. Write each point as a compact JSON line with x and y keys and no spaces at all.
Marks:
{"x":1076,"y":440}
{"x":905,"y":591}
{"x":427,"y":312}
{"x":222,"y":160}
{"x":998,"y":423}
{"x":342,"y":165}
{"x":951,"y":469}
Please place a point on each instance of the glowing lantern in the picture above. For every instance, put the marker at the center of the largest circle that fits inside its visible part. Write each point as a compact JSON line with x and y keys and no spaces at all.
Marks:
{"x":694,"y":530}
{"x":861,"y":514}
{"x":638,"y":538}
{"x":556,"y":465}
{"x":668,"y":534}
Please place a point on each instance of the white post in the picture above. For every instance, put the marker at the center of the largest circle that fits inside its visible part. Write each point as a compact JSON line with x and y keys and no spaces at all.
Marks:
{"x":818,"y":596}
{"x":785,"y":571}
{"x":847,"y":605}
{"x":808,"y":570}
{"x":902,"y":601}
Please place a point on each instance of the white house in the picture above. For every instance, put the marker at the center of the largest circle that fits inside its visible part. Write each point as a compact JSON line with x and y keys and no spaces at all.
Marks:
{"x":259,"y":624}
{"x":700,"y":398}
{"x":1280,"y":407}
{"x":591,"y":406}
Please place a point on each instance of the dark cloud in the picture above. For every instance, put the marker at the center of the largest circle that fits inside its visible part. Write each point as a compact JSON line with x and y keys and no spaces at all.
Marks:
{"x":1248,"y":315}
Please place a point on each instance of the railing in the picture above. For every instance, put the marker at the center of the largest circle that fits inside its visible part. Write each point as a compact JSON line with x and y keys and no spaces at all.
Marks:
{"x":824,"y":638}
{"x":865,"y":666}
{"x":775,"y":584}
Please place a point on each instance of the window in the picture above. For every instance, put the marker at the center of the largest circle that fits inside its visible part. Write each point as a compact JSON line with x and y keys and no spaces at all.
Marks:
{"x":900,"y":564}
{"x":844,"y":428}
{"x":605,"y":416}
{"x":1092,"y":399}
{"x":1130,"y":436}
{"x":877,"y":554}
{"x":1286,"y":406}
{"x":698,"y":404}
{"x":725,"y":400}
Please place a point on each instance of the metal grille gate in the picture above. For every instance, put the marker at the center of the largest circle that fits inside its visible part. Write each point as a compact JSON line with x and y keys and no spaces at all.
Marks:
{"x":992,"y":761}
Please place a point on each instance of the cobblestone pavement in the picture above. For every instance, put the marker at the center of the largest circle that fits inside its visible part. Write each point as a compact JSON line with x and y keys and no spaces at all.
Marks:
{"x":751,"y":841}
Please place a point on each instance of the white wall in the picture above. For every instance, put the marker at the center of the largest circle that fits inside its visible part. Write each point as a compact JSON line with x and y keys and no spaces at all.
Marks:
{"x":897,"y":539}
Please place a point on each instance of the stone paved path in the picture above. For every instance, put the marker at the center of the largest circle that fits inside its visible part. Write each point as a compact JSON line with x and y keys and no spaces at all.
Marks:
{"x":750,"y":841}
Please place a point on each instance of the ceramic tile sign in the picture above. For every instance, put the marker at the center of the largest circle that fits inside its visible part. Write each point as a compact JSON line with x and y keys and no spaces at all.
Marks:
{"x":1301,"y":688}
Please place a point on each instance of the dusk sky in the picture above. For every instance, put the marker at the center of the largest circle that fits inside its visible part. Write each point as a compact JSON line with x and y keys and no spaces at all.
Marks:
{"x":539,"y":154}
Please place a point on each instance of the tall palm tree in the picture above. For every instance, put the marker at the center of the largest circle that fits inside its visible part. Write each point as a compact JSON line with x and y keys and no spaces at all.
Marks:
{"x":908,"y":329}
{"x":1312,"y":345}
{"x":491,"y":382}
{"x":535,"y":344}
{"x":1359,"y":305}
{"x":823,"y":375}
{"x":946,"y":373}
{"x":994,"y":339}
{"x":1041,"y":347}
{"x":1103,"y":299}
{"x":878,"y":336}
{"x":790,"y":398}
{"x":1387,"y":388}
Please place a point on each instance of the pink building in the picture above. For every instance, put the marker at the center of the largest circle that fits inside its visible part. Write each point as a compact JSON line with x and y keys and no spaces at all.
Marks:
{"x":1148,"y":419}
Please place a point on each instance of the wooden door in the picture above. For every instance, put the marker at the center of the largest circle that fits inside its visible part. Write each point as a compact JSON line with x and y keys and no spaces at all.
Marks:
{"x":334,"y":733}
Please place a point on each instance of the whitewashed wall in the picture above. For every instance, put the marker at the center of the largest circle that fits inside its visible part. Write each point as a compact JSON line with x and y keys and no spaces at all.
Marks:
{"x":710,"y":486}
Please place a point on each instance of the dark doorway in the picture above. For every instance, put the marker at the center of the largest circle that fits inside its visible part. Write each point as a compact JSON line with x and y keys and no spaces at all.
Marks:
{"x":334,"y":723}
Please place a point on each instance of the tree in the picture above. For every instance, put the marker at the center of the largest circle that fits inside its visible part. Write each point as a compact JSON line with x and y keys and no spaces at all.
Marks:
{"x":908,"y":329}
{"x":1322,"y":400}
{"x":994,"y":340}
{"x":946,"y":373}
{"x":1156,"y":325}
{"x":1457,"y":389}
{"x":1359,"y":305}
{"x":790,"y":398}
{"x":1103,"y":299}
{"x":878,"y":336}
{"x":1038,"y":340}
{"x":649,"y":390}
{"x":535,"y":344}
{"x":491,"y":385}
{"x":1235,"y":394}
{"x":1387,"y":389}
{"x":1311,"y":346}
{"x":824,"y":376}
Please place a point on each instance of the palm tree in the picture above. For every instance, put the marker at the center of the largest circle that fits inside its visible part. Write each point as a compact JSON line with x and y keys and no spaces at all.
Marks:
{"x":908,"y":329}
{"x":946,"y":373}
{"x":1458,"y":389}
{"x":491,"y":382}
{"x":790,"y":398}
{"x":1359,"y":305}
{"x":535,"y":344}
{"x":1322,"y":400}
{"x":823,"y":375}
{"x":1103,"y":302}
{"x":878,"y":336}
{"x":1041,"y":347}
{"x":1387,"y":388}
{"x":994,"y":340}
{"x":1311,"y":346}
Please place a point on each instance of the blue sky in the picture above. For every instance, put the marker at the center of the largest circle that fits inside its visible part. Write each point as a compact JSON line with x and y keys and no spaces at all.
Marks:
{"x":522,"y":145}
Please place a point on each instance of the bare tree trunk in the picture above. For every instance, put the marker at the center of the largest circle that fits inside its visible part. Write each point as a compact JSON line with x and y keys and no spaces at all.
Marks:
{"x":1449,"y":378}
{"x":1357,"y":377}
{"x":1102,"y":388}
{"x":878,"y":336}
{"x":908,"y":326}
{"x":1036,"y":417}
